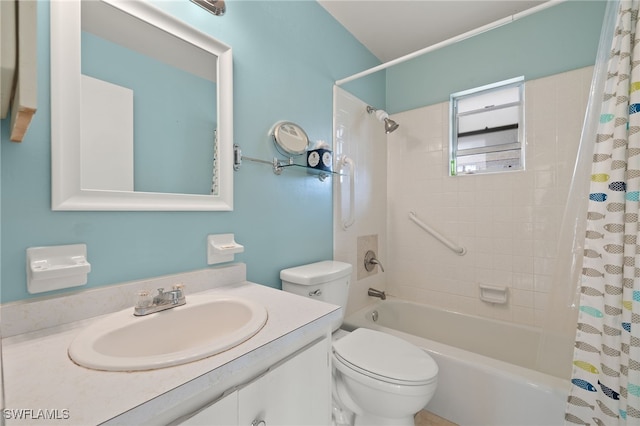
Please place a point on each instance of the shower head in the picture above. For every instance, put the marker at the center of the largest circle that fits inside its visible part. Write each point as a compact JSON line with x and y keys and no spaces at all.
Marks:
{"x":389,"y":124}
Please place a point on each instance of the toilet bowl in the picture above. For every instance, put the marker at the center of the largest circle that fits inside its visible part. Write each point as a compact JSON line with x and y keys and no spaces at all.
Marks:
{"x":383,"y":379}
{"x":379,"y":379}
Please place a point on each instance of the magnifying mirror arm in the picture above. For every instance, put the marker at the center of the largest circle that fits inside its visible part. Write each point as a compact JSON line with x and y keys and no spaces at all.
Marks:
{"x":275,"y":163}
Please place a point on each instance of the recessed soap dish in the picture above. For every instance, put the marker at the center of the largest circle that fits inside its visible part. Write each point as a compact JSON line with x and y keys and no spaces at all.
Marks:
{"x":493,"y":294}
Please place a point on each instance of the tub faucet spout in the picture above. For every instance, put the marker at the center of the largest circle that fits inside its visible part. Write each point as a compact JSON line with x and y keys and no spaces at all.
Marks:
{"x":377,"y":293}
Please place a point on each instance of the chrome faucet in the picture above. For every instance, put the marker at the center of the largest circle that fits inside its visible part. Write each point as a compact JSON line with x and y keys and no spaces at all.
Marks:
{"x":377,"y":293}
{"x":370,"y":261}
{"x":146,"y":305}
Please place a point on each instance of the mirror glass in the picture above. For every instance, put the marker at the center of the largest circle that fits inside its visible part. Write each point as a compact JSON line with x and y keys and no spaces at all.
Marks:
{"x":147,"y":124}
{"x":135,"y":69}
{"x":290,"y":138}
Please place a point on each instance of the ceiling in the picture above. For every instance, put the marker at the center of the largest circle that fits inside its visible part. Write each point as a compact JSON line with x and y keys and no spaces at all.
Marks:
{"x":394,"y":28}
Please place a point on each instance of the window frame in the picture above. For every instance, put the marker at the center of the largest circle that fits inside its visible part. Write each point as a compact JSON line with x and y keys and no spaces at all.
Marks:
{"x":517,"y":82}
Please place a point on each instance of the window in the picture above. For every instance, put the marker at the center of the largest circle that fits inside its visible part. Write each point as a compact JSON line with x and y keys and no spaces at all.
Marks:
{"x":487,"y":128}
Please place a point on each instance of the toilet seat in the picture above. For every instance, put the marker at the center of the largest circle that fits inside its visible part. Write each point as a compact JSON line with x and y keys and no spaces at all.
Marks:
{"x":385,"y":357}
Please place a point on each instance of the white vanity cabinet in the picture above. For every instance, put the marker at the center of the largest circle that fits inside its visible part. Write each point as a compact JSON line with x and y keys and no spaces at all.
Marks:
{"x":296,"y":391}
{"x":223,"y":413}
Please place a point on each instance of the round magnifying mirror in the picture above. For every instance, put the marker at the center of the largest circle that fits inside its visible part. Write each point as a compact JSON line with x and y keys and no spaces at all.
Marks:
{"x":290,"y":138}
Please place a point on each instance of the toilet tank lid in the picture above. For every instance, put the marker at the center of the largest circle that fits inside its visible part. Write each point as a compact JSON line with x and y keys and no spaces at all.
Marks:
{"x":316,"y":273}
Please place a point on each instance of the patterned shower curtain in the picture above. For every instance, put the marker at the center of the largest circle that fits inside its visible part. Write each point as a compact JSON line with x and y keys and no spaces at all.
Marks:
{"x":606,"y":368}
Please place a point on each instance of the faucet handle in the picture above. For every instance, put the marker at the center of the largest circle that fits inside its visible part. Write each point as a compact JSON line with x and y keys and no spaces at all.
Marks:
{"x":144,"y":299}
{"x":178,"y":290}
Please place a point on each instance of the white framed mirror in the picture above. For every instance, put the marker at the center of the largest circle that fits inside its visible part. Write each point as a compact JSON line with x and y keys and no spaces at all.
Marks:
{"x":103,"y":155}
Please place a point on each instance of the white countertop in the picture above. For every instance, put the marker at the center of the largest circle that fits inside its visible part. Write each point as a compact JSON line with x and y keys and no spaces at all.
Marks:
{"x":38,"y":374}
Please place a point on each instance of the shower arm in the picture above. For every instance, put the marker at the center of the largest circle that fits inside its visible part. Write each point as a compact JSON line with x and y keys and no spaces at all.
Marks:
{"x":383,"y":117}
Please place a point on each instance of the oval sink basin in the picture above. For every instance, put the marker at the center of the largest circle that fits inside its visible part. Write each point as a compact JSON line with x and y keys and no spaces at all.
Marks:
{"x":204,"y":326}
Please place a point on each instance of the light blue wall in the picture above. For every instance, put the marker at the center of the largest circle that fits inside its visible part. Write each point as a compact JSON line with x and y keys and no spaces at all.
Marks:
{"x":287,"y":55}
{"x":557,"y":39}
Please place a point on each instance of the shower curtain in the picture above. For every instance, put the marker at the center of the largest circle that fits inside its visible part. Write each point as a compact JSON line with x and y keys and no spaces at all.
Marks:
{"x":606,"y":365}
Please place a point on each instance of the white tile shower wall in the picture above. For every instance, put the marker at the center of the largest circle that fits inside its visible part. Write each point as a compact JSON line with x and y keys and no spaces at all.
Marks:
{"x":360,"y":137}
{"x":509,"y":222}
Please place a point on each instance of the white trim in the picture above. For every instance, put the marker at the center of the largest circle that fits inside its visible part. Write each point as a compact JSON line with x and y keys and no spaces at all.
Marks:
{"x":66,"y":190}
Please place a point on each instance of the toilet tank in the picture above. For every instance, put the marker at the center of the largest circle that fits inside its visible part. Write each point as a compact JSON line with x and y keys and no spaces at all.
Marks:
{"x":327,"y":281}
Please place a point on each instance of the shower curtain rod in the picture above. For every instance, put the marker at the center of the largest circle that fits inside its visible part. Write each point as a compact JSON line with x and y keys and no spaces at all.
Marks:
{"x":452,"y":40}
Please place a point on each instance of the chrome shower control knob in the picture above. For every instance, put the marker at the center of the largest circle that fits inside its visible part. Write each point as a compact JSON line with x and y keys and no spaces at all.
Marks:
{"x":258,"y":423}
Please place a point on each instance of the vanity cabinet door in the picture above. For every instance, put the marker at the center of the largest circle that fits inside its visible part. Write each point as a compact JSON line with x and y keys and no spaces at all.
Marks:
{"x":223,"y":412}
{"x":297,"y":392}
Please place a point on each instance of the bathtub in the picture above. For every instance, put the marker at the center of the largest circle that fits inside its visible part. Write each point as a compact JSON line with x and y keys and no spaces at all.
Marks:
{"x":486,"y":374}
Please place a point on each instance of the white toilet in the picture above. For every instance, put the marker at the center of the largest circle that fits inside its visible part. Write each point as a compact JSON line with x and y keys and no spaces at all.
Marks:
{"x":380,"y":378}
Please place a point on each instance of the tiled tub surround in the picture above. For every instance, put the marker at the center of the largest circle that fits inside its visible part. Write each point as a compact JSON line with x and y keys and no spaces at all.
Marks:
{"x":508,"y":222}
{"x":40,"y":375}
